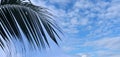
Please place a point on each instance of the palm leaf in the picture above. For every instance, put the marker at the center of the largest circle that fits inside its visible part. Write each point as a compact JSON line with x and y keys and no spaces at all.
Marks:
{"x":34,"y":22}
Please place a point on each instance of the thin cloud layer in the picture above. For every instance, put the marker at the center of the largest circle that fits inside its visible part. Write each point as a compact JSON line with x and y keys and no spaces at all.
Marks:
{"x":91,"y":27}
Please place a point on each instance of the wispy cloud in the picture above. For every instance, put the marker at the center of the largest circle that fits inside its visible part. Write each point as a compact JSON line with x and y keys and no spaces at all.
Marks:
{"x":97,"y":20}
{"x":106,"y":43}
{"x":60,"y":1}
{"x":104,"y":47}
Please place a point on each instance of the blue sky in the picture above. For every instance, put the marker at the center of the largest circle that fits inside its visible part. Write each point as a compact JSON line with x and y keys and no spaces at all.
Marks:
{"x":91,"y":28}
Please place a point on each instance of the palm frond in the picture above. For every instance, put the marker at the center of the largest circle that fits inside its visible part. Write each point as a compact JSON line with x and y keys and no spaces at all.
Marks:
{"x":34,"y":22}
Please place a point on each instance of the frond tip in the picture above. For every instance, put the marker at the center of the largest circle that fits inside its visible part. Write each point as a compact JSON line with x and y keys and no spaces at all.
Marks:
{"x":23,"y":22}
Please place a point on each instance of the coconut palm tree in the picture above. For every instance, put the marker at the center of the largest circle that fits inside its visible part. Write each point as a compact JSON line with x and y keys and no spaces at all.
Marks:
{"x":21,"y":20}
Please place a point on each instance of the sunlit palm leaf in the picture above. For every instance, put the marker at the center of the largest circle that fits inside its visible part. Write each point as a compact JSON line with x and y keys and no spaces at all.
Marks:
{"x":24,"y":18}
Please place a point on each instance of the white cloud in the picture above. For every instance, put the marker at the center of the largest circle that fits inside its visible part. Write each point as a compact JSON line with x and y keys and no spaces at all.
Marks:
{"x":117,"y":55}
{"x":82,"y":55}
{"x":39,"y":2}
{"x":71,"y":30}
{"x":66,"y":48}
{"x":113,"y":12}
{"x":60,"y":1}
{"x":104,"y":47}
{"x":103,"y":53}
{"x":82,"y":4}
{"x":79,"y":15}
{"x":108,"y":43}
{"x":84,"y":22}
{"x":74,"y":21}
{"x":82,"y":14}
